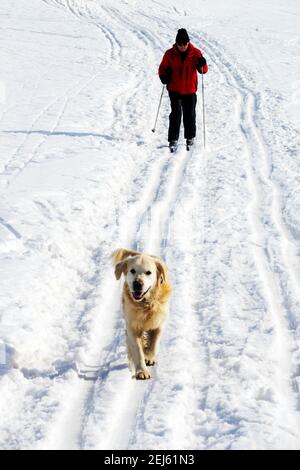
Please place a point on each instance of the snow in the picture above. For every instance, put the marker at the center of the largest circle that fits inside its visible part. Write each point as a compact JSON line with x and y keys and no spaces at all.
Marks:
{"x":81,"y":174}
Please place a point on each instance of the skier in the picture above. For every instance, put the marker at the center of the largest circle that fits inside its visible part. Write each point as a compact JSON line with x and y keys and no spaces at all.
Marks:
{"x":178,"y":70}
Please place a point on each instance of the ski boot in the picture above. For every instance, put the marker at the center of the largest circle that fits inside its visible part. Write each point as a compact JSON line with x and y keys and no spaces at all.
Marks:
{"x":189,"y":143}
{"x":173,"y":144}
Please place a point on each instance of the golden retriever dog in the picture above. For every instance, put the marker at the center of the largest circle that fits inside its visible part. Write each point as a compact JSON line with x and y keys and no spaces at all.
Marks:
{"x":145,"y":300}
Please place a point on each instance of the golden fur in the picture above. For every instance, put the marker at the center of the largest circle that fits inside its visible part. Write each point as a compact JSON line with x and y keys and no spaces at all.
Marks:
{"x":146,"y":315}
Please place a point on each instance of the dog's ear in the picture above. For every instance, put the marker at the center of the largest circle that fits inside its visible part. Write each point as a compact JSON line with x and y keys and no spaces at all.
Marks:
{"x":121,"y":253}
{"x":162,"y":271}
{"x":121,"y":268}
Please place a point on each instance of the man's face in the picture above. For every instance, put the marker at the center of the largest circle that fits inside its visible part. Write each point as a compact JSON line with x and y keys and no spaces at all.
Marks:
{"x":183,"y":47}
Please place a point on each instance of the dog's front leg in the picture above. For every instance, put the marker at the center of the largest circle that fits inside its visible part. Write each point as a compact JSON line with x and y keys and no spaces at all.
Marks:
{"x":135,"y":351}
{"x":152,"y":346}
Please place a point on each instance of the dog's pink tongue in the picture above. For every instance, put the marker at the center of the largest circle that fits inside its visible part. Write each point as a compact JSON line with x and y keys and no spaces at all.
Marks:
{"x":137,"y":295}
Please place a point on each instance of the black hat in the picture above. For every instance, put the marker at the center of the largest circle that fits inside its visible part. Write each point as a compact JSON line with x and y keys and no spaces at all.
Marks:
{"x":182,"y":36}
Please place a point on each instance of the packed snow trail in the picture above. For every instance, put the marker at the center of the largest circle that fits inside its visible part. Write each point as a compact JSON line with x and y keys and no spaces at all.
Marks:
{"x":81,"y":174}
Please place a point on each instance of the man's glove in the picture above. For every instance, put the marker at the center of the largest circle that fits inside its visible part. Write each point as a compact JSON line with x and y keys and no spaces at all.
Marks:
{"x":201,"y":61}
{"x":165,"y":78}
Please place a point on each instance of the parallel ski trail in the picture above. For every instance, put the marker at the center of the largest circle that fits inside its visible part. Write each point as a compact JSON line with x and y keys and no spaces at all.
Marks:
{"x":105,"y":340}
{"x":149,"y":217}
{"x":90,"y":398}
{"x":14,"y":167}
{"x":183,"y":324}
{"x":233,"y":292}
{"x":278,"y":291}
{"x":133,"y":393}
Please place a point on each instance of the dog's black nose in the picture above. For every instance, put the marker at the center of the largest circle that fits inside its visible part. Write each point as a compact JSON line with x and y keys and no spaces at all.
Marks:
{"x":137,"y":286}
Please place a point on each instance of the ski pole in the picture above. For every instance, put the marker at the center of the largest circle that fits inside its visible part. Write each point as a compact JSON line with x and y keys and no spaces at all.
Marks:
{"x":162,"y":91}
{"x":203,"y":110}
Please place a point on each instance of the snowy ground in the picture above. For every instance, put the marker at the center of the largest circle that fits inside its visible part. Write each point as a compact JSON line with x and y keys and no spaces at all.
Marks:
{"x":81,"y":174}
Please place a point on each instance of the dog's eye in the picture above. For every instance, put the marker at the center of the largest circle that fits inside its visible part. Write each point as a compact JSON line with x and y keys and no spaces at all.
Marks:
{"x":132,"y":271}
{"x":148,"y":273}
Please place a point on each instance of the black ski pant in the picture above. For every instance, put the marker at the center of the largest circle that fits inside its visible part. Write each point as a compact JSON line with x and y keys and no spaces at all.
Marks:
{"x":186,"y":105}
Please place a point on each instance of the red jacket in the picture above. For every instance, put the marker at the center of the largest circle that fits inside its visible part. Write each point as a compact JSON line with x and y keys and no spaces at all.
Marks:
{"x":183,"y":73}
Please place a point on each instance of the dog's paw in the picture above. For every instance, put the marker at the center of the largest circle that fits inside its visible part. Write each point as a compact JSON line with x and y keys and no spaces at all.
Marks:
{"x":142,"y":375}
{"x":150,"y":362}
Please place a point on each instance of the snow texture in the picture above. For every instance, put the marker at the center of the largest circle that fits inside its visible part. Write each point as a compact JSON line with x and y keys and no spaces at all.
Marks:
{"x":81,"y":174}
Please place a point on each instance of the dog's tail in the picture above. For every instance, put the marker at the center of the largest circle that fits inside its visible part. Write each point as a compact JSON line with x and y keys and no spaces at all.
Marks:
{"x":121,"y":253}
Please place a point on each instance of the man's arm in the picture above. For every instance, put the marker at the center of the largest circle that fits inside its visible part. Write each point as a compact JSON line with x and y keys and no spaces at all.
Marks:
{"x":165,"y":70}
{"x":202,"y":66}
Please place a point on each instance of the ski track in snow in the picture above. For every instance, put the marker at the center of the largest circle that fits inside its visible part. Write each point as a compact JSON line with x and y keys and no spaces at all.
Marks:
{"x":274,"y":264}
{"x":93,"y":403}
{"x":166,"y":183}
{"x":12,"y":168}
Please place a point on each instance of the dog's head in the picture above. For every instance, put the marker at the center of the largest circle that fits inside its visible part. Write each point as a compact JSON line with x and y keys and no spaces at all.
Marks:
{"x":142,"y":274}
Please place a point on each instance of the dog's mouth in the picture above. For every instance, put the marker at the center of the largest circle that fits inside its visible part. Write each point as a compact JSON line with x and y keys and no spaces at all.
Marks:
{"x":139,"y":295}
